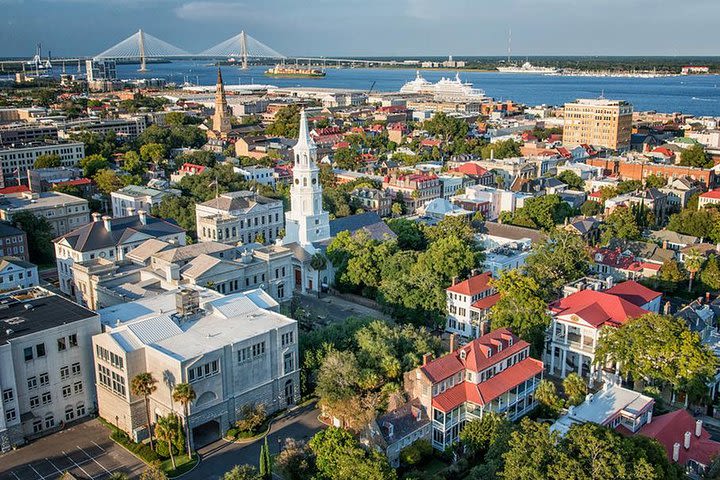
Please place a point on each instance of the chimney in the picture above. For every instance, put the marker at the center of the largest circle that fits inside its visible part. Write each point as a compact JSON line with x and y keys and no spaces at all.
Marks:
{"x":106,"y":221}
{"x":454,"y":281}
{"x":686,"y":444}
{"x":96,"y":217}
{"x":698,"y":428}
{"x":426,"y":358}
{"x":453,"y":338}
{"x":130,"y":211}
{"x":664,"y":246}
{"x":142,"y":214}
{"x":707,"y":297}
{"x":666,"y":310}
{"x":649,"y":416}
{"x":676,"y":452}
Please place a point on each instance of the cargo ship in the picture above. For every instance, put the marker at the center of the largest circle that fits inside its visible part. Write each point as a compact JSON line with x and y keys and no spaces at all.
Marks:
{"x":295,"y":72}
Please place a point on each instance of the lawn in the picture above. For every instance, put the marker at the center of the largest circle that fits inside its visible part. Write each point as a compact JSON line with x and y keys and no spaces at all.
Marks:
{"x":183,"y":464}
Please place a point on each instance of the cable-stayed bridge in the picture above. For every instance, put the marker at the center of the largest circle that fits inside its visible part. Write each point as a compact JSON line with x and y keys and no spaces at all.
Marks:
{"x":142,"y":46}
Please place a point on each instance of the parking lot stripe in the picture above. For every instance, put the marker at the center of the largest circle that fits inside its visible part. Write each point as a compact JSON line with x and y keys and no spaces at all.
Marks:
{"x":38,"y":473}
{"x":15,"y":475}
{"x":76,"y":464}
{"x":53,"y":465}
{"x":98,"y":446}
{"x":93,"y":459}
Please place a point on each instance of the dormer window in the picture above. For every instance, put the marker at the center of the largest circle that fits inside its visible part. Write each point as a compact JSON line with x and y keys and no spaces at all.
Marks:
{"x":463,"y":354}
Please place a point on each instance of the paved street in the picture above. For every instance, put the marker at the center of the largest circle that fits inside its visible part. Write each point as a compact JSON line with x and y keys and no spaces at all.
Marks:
{"x":85,"y":450}
{"x":221,"y":456}
{"x":329,"y":309}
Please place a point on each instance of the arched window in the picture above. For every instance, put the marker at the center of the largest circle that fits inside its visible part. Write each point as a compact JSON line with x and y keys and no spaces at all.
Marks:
{"x":69,"y":413}
{"x":49,"y":421}
{"x":80,"y":409}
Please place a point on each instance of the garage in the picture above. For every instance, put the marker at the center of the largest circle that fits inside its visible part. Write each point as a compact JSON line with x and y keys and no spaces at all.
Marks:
{"x":206,"y":433}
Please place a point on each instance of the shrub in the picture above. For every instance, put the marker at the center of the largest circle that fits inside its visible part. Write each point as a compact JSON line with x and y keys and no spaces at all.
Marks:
{"x":140,"y":449}
{"x":253,"y":416}
{"x":232,"y":432}
{"x":416,"y":453}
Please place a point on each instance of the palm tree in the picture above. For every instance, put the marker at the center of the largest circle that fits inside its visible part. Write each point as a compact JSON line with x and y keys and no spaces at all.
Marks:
{"x":693,"y":264}
{"x":143,"y":385}
{"x":185,"y":394}
{"x":167,"y":430}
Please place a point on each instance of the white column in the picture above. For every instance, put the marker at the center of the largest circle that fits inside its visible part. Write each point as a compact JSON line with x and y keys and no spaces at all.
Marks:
{"x":552,"y":359}
{"x":564,"y":362}
{"x":580,"y":364}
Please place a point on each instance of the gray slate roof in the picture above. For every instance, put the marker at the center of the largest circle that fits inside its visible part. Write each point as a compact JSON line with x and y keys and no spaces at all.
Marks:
{"x":94,"y":235}
{"x":369,"y":222}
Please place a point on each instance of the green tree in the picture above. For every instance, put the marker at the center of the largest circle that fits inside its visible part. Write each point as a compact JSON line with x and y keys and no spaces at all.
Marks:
{"x":39,"y":236}
{"x":49,"y":160}
{"x":416,"y":452}
{"x":575,"y":389}
{"x":572,"y":180}
{"x":153,"y":153}
{"x":446,"y":127}
{"x":548,"y":398}
{"x":542,"y":212}
{"x":133,"y":164}
{"x":502,"y":149}
{"x":185,"y":394}
{"x":695,"y":156}
{"x":340,"y":456}
{"x":265,"y":462}
{"x":620,"y":224}
{"x":560,"y":259}
{"x":286,"y":123}
{"x":346,"y":159}
{"x":693,"y":263}
{"x":242,"y":472}
{"x":143,"y":385}
{"x":175,"y":118}
{"x":153,"y":472}
{"x":295,"y":461}
{"x":627,"y":186}
{"x":167,"y":430}
{"x":531,"y":452}
{"x":92,"y":164}
{"x":521,"y":308}
{"x":179,"y":208}
{"x":659,"y":350}
{"x":702,"y":223}
{"x":452,"y":226}
{"x":396,"y":209}
{"x":710,"y":275}
{"x":410,"y":235}
{"x":478,"y":435}
{"x":655,"y":181}
{"x":108,"y":181}
{"x":672,"y":273}
{"x":591,"y":208}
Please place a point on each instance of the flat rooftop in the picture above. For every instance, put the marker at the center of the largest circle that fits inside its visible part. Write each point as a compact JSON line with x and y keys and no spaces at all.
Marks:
{"x":24,"y":200}
{"x":32,"y":310}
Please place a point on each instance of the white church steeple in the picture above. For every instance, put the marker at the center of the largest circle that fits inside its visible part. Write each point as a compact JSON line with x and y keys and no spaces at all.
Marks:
{"x":306,"y":222}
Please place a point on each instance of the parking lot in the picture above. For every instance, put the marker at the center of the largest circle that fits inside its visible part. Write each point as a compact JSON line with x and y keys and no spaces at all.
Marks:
{"x":83,"y":450}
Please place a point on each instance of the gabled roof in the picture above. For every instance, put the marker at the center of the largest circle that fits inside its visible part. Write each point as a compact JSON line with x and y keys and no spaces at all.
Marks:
{"x":715,"y":194}
{"x":370,"y":222}
{"x":670,"y":429}
{"x":634,"y":293}
{"x":473,"y":285}
{"x":597,"y":308}
{"x":472,"y":169}
{"x":94,"y":235}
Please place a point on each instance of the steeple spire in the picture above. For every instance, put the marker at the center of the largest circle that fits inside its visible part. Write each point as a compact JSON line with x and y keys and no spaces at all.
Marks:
{"x":221,"y":120}
{"x":304,"y":139}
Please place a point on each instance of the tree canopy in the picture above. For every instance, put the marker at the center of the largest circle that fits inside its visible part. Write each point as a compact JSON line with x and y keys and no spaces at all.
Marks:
{"x":560,"y":259}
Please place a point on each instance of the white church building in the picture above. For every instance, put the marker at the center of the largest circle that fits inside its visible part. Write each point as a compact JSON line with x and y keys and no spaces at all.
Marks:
{"x":308,"y":228}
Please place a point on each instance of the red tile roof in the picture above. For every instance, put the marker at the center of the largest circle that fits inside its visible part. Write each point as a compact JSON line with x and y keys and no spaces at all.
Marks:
{"x":712,"y":194}
{"x":76,"y":182}
{"x":429,"y":142}
{"x":664,"y":151}
{"x":485,"y":392}
{"x":670,"y":429}
{"x":473,"y":285}
{"x":634,"y":292}
{"x":597,"y":308}
{"x":471,"y":169}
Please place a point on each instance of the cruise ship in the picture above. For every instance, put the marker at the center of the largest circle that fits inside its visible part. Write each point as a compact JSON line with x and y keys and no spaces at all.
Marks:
{"x":445,"y":89}
{"x":528,"y":67}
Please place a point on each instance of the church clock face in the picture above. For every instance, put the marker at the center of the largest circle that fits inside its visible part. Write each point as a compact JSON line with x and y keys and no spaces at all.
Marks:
{"x":314,"y":181}
{"x":297,"y":181}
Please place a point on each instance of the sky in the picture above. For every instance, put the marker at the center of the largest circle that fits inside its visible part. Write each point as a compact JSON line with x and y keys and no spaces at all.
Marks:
{"x":370,"y":27}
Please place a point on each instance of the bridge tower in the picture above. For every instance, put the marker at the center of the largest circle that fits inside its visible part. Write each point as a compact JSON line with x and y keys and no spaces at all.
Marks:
{"x":243,"y":50}
{"x":141,"y":45}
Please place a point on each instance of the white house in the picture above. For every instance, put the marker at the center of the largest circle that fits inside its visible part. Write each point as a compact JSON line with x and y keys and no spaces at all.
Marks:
{"x":16,"y":273}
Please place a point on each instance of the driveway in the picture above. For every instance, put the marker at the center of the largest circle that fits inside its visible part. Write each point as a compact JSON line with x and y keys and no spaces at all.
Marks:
{"x":85,"y":450}
{"x":221,"y":456}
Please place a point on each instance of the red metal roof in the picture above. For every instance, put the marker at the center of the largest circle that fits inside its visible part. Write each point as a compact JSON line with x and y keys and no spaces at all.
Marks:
{"x":634,"y":292}
{"x":473,"y":285}
{"x":487,"y":302}
{"x":471,"y":169}
{"x":485,"y":392}
{"x":77,"y":182}
{"x":14,"y":189}
{"x":597,"y":308}
{"x":712,"y":194}
{"x":670,"y":429}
